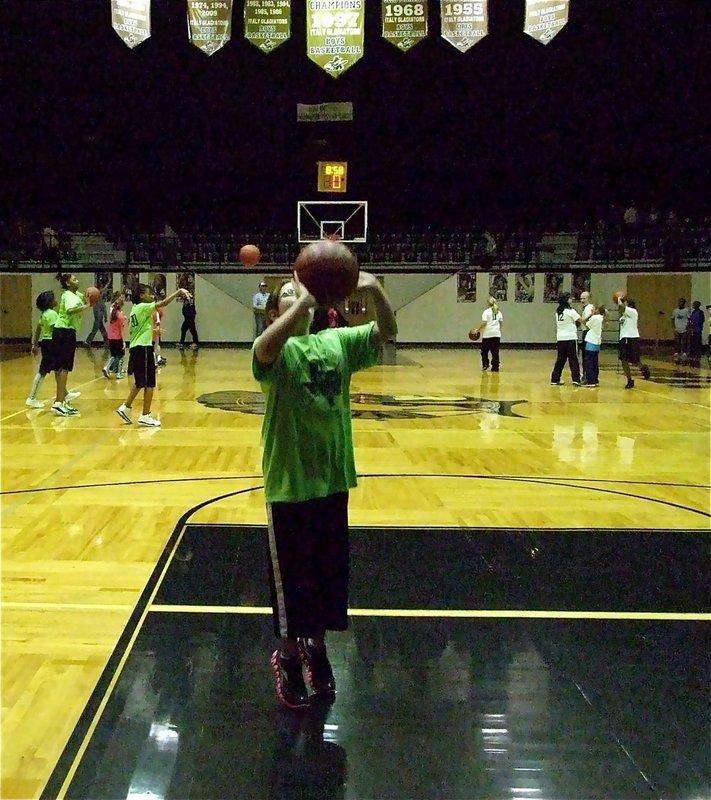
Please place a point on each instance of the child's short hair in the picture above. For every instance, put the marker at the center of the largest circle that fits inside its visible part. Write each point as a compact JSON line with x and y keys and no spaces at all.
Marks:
{"x":63,"y":278}
{"x":45,"y":300}
{"x":139,"y":289}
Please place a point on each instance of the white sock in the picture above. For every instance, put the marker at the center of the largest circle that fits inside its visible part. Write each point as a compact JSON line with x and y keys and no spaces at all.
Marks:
{"x":36,"y":383}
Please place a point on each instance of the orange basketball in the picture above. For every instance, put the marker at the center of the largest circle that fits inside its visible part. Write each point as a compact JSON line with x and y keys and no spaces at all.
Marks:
{"x":618,"y":295}
{"x":93,"y":295}
{"x":329,"y":270}
{"x":249,"y":255}
{"x":474,"y":335}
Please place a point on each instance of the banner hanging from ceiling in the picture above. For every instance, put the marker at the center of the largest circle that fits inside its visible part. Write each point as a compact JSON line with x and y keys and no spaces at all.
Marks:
{"x":545,"y":19}
{"x":324,"y":112}
{"x":404,"y":24}
{"x":209,"y":24}
{"x":464,"y":24}
{"x":131,"y":19}
{"x":334,"y":34}
{"x":267,"y":23}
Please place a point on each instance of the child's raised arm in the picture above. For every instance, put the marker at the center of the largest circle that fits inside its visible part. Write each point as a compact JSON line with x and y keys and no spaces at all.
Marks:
{"x":169,"y":299}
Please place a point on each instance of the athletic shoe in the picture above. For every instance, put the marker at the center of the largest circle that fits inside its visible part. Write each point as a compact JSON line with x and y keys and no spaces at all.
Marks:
{"x":105,"y":372}
{"x":71,"y":396}
{"x":120,"y":376}
{"x":148,"y":421}
{"x":124,"y":412}
{"x":161,"y":362}
{"x":576,"y":383}
{"x":290,"y":686}
{"x":494,"y":369}
{"x":629,"y":385}
{"x":32,"y":403}
{"x":180,"y":346}
{"x":193,"y":347}
{"x":557,"y":383}
{"x":63,"y":410}
{"x":318,"y":669}
{"x":645,"y":372}
{"x":484,"y":368}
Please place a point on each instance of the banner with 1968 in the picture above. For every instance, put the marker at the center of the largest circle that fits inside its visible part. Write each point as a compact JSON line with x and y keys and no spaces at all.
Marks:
{"x":267,"y":23}
{"x":545,"y":19}
{"x":464,"y":24}
{"x":334,"y":33}
{"x":131,"y":19}
{"x":405,"y":23}
{"x":209,"y":24}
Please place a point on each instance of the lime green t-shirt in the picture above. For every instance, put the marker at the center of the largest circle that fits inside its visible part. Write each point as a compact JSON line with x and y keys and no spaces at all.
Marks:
{"x":306,"y":434}
{"x":47,"y":321}
{"x":68,"y":300}
{"x":140,"y":329}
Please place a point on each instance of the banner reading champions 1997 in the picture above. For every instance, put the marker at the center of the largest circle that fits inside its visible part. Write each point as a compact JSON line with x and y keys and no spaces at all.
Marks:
{"x":334,"y":33}
{"x":464,"y":24}
{"x":267,"y":23}
{"x":209,"y":24}
{"x":405,"y":23}
{"x":131,"y":19}
{"x":545,"y":18}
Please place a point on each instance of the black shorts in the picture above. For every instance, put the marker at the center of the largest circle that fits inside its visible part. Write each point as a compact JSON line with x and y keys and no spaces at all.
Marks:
{"x":142,"y":365}
{"x":629,"y":350}
{"x":309,"y":560}
{"x":116,"y":347}
{"x":47,"y":363}
{"x":64,"y":345}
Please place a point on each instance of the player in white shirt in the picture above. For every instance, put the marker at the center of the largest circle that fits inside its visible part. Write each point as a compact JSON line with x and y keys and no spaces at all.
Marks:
{"x":490,"y":329}
{"x":629,"y":340}
{"x":567,"y":321}
{"x":587,"y":309}
{"x":593,"y":342}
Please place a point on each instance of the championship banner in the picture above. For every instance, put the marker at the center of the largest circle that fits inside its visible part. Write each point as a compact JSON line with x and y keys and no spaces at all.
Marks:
{"x":131,"y":19}
{"x":267,"y":23}
{"x":324,"y":112}
{"x":209,"y":24}
{"x":334,"y":33}
{"x":545,"y":18}
{"x":465,"y":24}
{"x":404,"y":24}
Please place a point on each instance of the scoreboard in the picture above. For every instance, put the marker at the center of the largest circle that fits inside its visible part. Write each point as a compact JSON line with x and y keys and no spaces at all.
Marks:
{"x":332,"y":176}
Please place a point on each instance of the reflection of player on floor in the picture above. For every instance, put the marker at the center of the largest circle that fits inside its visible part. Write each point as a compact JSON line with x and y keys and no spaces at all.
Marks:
{"x":490,"y":329}
{"x":308,"y":471}
{"x":629,"y":351}
{"x":141,"y":360}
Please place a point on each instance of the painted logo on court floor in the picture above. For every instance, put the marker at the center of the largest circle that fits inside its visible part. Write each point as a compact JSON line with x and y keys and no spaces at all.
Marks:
{"x":379,"y":406}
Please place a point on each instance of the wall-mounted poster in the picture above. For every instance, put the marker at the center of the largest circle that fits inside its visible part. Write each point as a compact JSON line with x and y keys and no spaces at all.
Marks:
{"x":159,"y":284}
{"x":466,"y":287}
{"x":499,"y":286}
{"x":186,"y":280}
{"x":525,"y":287}
{"x":581,"y":283}
{"x":552,"y":287}
{"x":129,"y":284}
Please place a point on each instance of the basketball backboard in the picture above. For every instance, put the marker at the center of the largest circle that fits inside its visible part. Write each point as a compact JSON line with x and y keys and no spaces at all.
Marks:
{"x":346,"y":220}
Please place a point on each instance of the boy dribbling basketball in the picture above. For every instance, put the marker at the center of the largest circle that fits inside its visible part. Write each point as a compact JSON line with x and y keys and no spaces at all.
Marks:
{"x":309,"y":469}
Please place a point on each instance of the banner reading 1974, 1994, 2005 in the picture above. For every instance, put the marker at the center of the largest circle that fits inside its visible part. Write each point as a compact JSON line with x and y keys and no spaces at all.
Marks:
{"x":334,"y":34}
{"x":267,"y":23}
{"x":209,"y":24}
{"x":464,"y":24}
{"x":404,"y":23}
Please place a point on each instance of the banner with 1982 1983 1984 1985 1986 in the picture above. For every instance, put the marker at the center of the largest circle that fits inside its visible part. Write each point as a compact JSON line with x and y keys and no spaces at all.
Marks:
{"x":131,"y":19}
{"x":209,"y":24}
{"x":464,"y":24}
{"x":404,"y":23}
{"x":267,"y":23}
{"x":334,"y":34}
{"x":545,"y":18}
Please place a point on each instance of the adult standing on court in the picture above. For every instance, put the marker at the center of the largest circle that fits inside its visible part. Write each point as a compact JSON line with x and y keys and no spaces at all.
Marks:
{"x":490,"y":329}
{"x":189,"y":314}
{"x":680,"y":320}
{"x":629,"y":352}
{"x":100,"y":317}
{"x":259,"y":303}
{"x":567,"y":320}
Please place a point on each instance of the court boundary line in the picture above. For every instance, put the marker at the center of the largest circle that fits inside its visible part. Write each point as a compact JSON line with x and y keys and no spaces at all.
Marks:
{"x":26,"y":408}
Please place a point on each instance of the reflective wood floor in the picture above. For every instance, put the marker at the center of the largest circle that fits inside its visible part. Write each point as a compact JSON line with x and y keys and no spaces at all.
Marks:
{"x":91,"y":506}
